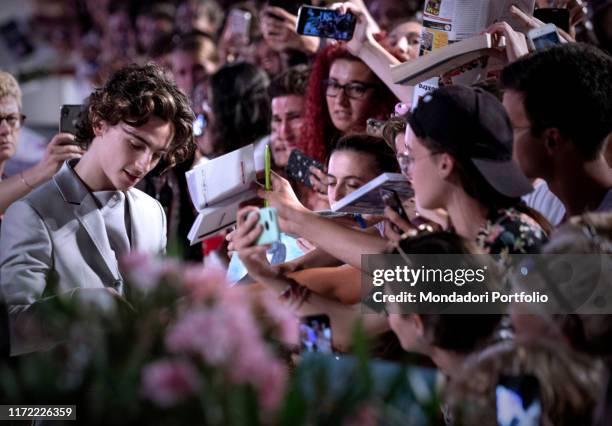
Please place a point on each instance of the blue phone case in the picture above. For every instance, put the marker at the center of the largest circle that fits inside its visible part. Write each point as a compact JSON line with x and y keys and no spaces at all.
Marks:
{"x":269,"y":222}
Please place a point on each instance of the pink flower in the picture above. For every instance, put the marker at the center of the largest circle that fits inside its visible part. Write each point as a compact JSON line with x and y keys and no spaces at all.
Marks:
{"x":145,"y":272}
{"x":203,"y":283}
{"x":169,"y":382}
{"x":203,"y":332}
{"x":283,"y":319}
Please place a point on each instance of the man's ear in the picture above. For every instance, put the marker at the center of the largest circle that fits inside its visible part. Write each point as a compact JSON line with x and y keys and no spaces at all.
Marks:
{"x":99,"y":126}
{"x":552,"y":140}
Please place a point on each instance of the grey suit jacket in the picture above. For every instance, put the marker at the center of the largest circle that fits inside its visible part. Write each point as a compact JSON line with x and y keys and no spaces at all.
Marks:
{"x":57,"y":232}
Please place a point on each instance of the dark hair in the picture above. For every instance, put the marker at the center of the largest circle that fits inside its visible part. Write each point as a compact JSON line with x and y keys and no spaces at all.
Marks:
{"x":370,"y":145}
{"x":569,"y":87}
{"x":459,"y":333}
{"x":194,"y":42}
{"x":294,"y":81}
{"x":132,"y":95}
{"x":241,"y":106}
{"x":162,"y":45}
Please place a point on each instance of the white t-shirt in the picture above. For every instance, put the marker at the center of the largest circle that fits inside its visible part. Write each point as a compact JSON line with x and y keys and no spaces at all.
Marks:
{"x":544,"y":201}
{"x":606,"y":204}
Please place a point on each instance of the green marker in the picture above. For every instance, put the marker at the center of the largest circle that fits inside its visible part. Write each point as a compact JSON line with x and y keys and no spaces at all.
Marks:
{"x":267,"y":169}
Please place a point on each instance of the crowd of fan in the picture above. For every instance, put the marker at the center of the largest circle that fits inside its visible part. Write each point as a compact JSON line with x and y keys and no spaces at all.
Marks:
{"x":525,"y":168}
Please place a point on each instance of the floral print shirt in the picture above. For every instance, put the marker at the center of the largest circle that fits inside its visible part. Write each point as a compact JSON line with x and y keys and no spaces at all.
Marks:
{"x":509,"y":231}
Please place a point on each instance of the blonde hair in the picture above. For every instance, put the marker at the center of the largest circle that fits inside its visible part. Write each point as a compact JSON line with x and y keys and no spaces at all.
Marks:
{"x":569,"y":382}
{"x":9,"y":87}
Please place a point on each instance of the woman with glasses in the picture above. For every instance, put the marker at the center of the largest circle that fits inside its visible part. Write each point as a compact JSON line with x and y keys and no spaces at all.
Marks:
{"x":60,"y":149}
{"x":342,"y":94}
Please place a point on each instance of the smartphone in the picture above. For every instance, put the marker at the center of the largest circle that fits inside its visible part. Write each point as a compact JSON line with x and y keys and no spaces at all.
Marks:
{"x":315,"y":334}
{"x":559,"y":17}
{"x":518,"y":401}
{"x":69,"y":117}
{"x":391,"y":199}
{"x":298,"y":167}
{"x":543,"y":37}
{"x":268,"y":219}
{"x":239,"y":22}
{"x":327,"y":23}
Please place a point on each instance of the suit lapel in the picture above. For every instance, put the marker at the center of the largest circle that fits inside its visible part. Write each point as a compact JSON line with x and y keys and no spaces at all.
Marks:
{"x":88,"y":214}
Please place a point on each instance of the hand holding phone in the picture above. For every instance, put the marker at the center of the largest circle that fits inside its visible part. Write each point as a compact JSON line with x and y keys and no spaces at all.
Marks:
{"x":69,"y":117}
{"x":326,"y":23}
{"x":553,"y":15}
{"x":268,"y":219}
{"x":298,"y":167}
{"x":543,"y":37}
{"x":392,"y":200}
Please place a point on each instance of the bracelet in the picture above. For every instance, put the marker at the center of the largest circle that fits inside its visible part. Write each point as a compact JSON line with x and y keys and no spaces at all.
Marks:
{"x":25,"y":182}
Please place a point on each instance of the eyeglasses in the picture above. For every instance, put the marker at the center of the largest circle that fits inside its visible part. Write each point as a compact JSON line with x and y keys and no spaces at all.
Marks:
{"x":354,"y":90}
{"x":406,"y":160}
{"x":14,"y":121}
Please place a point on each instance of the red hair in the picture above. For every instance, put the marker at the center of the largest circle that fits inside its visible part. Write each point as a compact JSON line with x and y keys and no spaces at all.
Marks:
{"x":319,"y":135}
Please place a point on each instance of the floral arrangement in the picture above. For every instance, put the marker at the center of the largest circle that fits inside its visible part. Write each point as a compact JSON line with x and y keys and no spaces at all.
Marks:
{"x":188,"y":349}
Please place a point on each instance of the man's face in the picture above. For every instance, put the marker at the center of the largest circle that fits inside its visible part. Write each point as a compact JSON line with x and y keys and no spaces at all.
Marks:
{"x":528,"y":150}
{"x":287,"y":122}
{"x":9,"y":111}
{"x":125,"y":154}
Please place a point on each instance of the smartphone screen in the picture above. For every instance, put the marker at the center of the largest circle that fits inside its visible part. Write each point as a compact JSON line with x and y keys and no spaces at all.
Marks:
{"x":518,"y":401}
{"x":315,"y":334}
{"x":559,"y":17}
{"x":546,"y":40}
{"x":328,"y":23}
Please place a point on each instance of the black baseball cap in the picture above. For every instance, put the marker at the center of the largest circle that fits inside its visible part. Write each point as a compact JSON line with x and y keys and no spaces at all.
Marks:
{"x":473,"y":126}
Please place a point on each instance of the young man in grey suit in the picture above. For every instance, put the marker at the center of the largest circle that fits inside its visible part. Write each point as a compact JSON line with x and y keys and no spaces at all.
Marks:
{"x":73,"y":229}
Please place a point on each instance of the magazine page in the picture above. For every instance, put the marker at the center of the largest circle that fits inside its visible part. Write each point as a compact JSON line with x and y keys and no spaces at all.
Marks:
{"x":222,"y":177}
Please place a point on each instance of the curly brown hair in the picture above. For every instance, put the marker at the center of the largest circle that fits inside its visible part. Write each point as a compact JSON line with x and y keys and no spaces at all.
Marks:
{"x":132,"y":95}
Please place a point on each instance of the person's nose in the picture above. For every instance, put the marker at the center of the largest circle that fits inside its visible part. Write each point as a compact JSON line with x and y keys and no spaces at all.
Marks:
{"x":343,"y":100}
{"x":285,"y":131}
{"x":336,"y":193}
{"x":144,"y":163}
{"x":4,"y":127}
